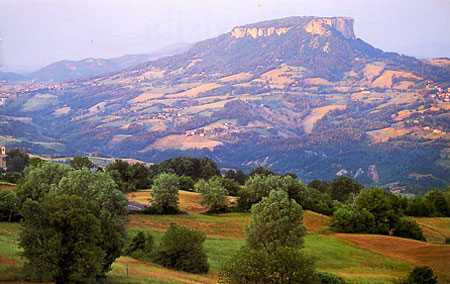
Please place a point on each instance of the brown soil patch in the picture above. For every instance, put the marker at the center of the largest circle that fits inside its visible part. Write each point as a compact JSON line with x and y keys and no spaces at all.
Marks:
{"x":420,"y":253}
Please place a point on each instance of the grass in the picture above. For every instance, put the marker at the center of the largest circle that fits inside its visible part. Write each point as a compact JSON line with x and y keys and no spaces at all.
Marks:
{"x":360,"y":258}
{"x":435,"y":229}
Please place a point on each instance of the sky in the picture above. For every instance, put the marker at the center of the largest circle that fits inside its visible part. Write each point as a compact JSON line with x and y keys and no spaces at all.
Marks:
{"x":36,"y":33}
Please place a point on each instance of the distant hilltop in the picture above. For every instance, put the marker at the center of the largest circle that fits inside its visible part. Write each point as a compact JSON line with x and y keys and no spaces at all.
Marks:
{"x":313,"y":25}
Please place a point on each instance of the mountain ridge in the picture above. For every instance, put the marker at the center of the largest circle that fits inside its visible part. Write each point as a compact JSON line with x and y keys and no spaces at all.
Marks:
{"x":324,"y":96}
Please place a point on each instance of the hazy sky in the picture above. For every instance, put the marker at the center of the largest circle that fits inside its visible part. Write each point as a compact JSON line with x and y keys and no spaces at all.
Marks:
{"x":39,"y":32}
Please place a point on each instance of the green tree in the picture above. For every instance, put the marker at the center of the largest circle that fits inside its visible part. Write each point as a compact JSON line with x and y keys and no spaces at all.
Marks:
{"x":214,"y":195}
{"x":140,"y":245}
{"x":79,"y":162}
{"x":321,"y":186}
{"x":349,"y":220}
{"x":17,"y":160}
{"x":282,"y":265}
{"x":342,"y":187}
{"x":100,"y":188}
{"x":182,"y":249}
{"x":237,"y":176}
{"x":186,"y":183}
{"x":61,"y":238}
{"x":165,"y":194}
{"x":419,"y":207}
{"x":36,"y":162}
{"x":230,"y":185}
{"x":376,"y":201}
{"x":438,"y":201}
{"x":276,"y":222}
{"x":9,"y":205}
{"x":408,"y":228}
{"x":262,"y":172}
{"x":420,"y":275}
{"x":259,"y":186}
{"x":38,"y":180}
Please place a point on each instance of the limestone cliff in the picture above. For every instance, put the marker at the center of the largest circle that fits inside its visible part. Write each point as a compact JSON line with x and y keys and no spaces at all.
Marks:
{"x":343,"y":25}
{"x":314,"y":25}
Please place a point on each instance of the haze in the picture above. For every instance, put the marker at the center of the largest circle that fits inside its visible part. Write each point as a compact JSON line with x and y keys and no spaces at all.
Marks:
{"x":39,"y":32}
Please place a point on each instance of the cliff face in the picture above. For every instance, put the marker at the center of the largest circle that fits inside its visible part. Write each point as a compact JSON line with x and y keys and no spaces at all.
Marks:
{"x":313,"y":25}
{"x":257,"y":32}
{"x":343,"y":25}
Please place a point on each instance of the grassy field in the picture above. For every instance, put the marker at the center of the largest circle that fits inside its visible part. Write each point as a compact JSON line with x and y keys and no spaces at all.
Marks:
{"x":361,"y":258}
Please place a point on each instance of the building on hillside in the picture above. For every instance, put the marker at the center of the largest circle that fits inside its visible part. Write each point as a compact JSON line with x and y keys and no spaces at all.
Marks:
{"x":3,"y":157}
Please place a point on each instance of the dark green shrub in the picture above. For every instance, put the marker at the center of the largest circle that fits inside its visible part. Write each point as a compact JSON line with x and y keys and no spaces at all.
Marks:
{"x":182,"y":249}
{"x":9,"y":205}
{"x":330,"y":278}
{"x":349,"y":220}
{"x":420,"y":275}
{"x":186,"y":183}
{"x":408,"y":228}
{"x":140,"y":245}
{"x":282,"y":265}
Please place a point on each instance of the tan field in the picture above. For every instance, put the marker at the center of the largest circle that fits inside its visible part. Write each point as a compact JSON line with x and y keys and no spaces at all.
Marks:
{"x":192,"y":93}
{"x":183,"y":142}
{"x":316,"y":114}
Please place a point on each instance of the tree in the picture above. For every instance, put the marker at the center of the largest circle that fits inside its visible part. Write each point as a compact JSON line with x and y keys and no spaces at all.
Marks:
{"x":342,"y":187}
{"x":321,"y":186}
{"x":419,"y":207}
{"x":140,"y":245}
{"x":283,"y":265}
{"x":273,"y":242}
{"x":408,"y":228}
{"x":375,"y":201}
{"x":182,"y":249}
{"x":61,"y":238}
{"x":261,"y":171}
{"x":237,"y":176}
{"x":129,"y":177}
{"x":276,"y":222}
{"x":101,"y":189}
{"x":17,"y":160}
{"x":38,"y":180}
{"x":165,"y":194}
{"x":186,"y":183}
{"x":349,"y":220}
{"x":9,"y":205}
{"x":259,"y":186}
{"x":79,"y":162}
{"x":214,"y":195}
{"x":419,"y":275}
{"x":438,"y":201}
{"x":230,"y":185}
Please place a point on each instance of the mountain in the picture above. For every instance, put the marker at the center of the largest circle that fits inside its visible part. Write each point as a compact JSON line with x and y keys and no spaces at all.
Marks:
{"x":65,"y":70}
{"x":10,"y":76}
{"x":299,"y":94}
